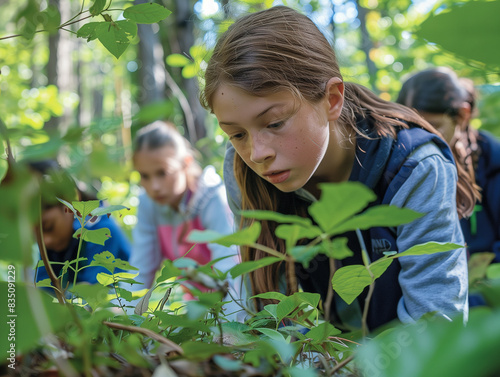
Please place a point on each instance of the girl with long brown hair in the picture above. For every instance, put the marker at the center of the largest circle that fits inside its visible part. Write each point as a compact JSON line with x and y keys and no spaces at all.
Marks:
{"x":274,"y":84}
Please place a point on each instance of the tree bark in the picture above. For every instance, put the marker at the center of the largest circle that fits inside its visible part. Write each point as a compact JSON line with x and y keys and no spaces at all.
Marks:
{"x":366,"y":46}
{"x":185,"y":36}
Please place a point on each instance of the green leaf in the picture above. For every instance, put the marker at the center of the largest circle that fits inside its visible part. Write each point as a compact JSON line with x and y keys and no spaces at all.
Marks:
{"x":478,"y":264}
{"x":44,"y":283}
{"x":379,"y":267}
{"x":464,"y":29}
{"x":113,"y":38}
{"x":493,"y":271}
{"x":98,"y":236}
{"x":200,"y":351}
{"x":436,"y":348}
{"x":272,"y":334}
{"x":246,"y":267}
{"x":168,"y":271}
{"x":33,"y":316}
{"x":107,"y":210}
{"x":304,"y":254}
{"x":129,"y":27}
{"x":84,"y":208}
{"x":322,"y":332}
{"x":285,"y":307}
{"x":89,"y":30}
{"x":272,"y":309}
{"x":190,"y":71}
{"x":276,"y":216}
{"x":294,"y":232}
{"x":19,"y":208}
{"x":109,"y":262}
{"x":271,"y":296}
{"x":147,"y":13}
{"x":143,"y":304}
{"x":428,"y":248}
{"x":337,"y":248}
{"x":338,"y":202}
{"x":246,"y":236}
{"x":177,"y":60}
{"x":51,"y":19}
{"x":94,"y":294}
{"x":382,"y":215}
{"x":227,"y":364}
{"x":107,"y":279}
{"x":97,"y":7}
{"x":350,"y":281}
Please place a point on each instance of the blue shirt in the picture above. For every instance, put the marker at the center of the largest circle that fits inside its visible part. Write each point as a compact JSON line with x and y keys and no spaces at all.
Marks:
{"x":117,"y":244}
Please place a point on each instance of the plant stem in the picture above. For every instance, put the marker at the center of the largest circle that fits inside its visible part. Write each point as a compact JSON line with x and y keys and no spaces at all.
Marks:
{"x":270,"y":251}
{"x":46,"y":262}
{"x":146,"y":332}
{"x":329,"y":295}
{"x":80,"y":243}
{"x":366,"y":261}
{"x":342,"y":364}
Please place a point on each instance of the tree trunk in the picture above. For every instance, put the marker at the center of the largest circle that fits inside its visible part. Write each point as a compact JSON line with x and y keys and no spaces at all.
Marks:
{"x":366,"y":46}
{"x":152,"y":68}
{"x":184,"y":26}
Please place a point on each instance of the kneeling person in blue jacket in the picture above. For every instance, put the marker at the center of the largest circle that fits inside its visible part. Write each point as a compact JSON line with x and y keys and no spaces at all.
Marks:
{"x":59,"y":225}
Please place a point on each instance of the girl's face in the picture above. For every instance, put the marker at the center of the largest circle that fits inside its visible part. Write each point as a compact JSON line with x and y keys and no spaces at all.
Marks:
{"x":283,"y":143}
{"x":444,"y":123}
{"x":57,"y":228}
{"x":163,"y":175}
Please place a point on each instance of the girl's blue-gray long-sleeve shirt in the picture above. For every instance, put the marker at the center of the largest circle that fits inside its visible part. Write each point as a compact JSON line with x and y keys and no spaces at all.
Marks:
{"x":429,"y":283}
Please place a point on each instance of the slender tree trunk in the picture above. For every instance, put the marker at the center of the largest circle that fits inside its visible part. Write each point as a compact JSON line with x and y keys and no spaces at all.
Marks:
{"x":367,"y":45}
{"x":152,"y":68}
{"x":60,"y":66}
{"x":185,"y":36}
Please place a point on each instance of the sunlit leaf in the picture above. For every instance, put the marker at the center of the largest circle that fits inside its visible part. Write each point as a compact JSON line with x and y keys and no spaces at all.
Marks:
{"x":113,"y":37}
{"x":246,"y":236}
{"x":304,"y":254}
{"x":203,"y":351}
{"x":94,"y":294}
{"x":338,"y":202}
{"x":276,"y":216}
{"x":436,"y":348}
{"x":177,"y":60}
{"x":350,"y":281}
{"x":147,"y":13}
{"x":382,"y":215}
{"x":97,"y":236}
{"x":337,"y":248}
{"x":34,"y":315}
{"x":97,"y":7}
{"x":291,"y":233}
{"x":109,"y":262}
{"x":246,"y":267}
{"x":89,"y":30}
{"x":107,"y":210}
{"x":428,"y":248}
{"x":322,"y":332}
{"x":459,"y":28}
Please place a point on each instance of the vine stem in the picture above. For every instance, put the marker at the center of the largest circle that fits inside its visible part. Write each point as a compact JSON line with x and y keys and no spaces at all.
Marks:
{"x":329,"y":295}
{"x":45,"y":258}
{"x":342,"y":364}
{"x":271,"y":251}
{"x":366,"y":262}
{"x":145,"y":332}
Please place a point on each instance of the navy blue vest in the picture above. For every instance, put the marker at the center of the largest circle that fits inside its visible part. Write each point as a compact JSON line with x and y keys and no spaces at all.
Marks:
{"x":390,"y":157}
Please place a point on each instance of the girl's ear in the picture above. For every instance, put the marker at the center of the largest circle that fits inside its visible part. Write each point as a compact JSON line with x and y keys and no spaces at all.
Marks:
{"x":464,"y":116}
{"x":188,"y":160}
{"x":335,"y":97}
